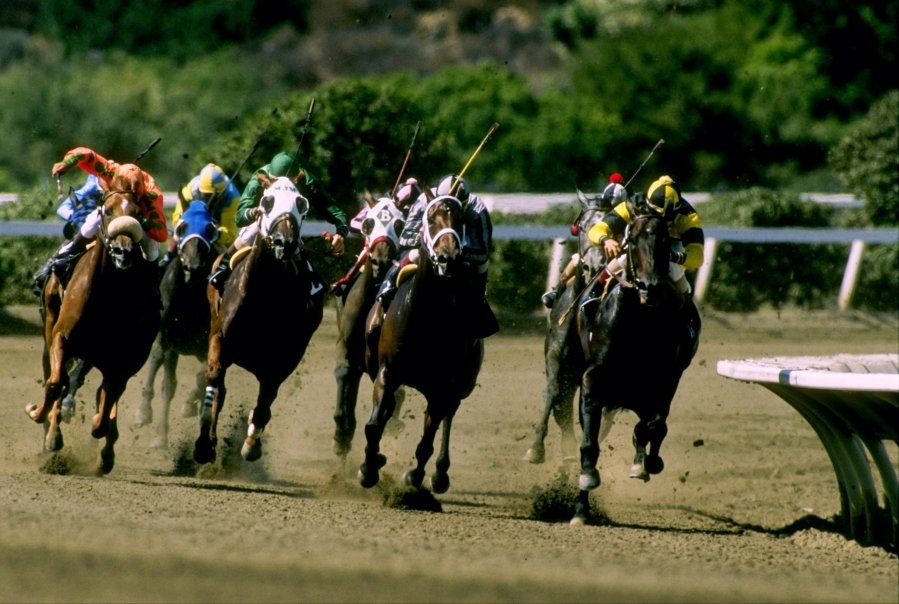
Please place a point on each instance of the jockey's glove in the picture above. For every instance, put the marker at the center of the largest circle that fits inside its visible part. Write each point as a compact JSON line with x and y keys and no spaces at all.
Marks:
{"x":678,"y":257}
{"x":255,"y":213}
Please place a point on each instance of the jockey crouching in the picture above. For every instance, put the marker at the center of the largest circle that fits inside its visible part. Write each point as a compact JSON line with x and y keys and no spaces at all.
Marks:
{"x":149,"y":200}
{"x":477,"y":242}
{"x":687,"y":240}
{"x":248,"y":213}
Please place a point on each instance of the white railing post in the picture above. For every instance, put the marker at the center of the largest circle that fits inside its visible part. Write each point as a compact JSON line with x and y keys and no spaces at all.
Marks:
{"x":555,"y":263}
{"x":705,"y":271}
{"x":850,"y":275}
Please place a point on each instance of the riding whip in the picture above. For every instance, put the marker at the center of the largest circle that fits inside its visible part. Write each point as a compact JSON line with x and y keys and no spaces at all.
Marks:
{"x":471,"y":159}
{"x":147,"y":150}
{"x":571,"y":306}
{"x":408,"y":153}
{"x":293,"y":162}
{"x":654,"y":149}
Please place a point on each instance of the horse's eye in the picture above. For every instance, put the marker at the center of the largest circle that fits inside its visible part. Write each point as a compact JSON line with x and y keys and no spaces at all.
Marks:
{"x":181,"y":229}
{"x":302,"y":205}
{"x":267,"y":203}
{"x":211,"y":232}
{"x":368,"y":225}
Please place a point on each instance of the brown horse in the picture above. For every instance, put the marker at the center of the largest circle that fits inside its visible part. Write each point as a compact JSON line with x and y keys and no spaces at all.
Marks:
{"x":264,"y":319}
{"x":185,"y":318}
{"x":424,"y":344}
{"x":381,"y":228}
{"x":107,"y":315}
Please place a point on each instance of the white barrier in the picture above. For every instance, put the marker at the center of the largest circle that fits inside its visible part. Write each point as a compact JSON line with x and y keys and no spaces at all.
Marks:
{"x":852,"y":403}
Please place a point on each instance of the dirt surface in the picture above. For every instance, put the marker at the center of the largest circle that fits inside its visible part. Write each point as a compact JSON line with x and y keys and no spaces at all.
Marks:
{"x":741,"y":512}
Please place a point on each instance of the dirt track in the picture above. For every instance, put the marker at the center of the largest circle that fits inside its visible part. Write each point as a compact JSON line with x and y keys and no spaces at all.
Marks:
{"x":741,"y":468}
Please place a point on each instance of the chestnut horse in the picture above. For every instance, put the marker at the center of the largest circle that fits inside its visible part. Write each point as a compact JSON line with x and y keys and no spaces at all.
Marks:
{"x":637,"y":346}
{"x":563,"y":356}
{"x":424,"y":344}
{"x":185,"y":318}
{"x":381,"y":228}
{"x":107,"y":315}
{"x":265,"y":317}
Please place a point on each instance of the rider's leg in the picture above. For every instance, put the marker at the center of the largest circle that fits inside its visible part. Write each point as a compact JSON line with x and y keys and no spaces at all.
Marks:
{"x":69,"y":250}
{"x":549,"y":298}
{"x":388,"y":285}
{"x":485,"y":323}
{"x":222,"y":270}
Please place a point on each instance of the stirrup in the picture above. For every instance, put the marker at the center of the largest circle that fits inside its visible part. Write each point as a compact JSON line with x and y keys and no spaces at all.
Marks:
{"x":548,"y":298}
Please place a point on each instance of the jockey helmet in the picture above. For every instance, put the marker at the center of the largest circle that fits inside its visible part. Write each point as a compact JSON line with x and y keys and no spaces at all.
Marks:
{"x":663,"y":195}
{"x":615,"y":178}
{"x":407,"y":194}
{"x":451,"y":184}
{"x":280,"y":164}
{"x":613,"y":194}
{"x":212,"y":179}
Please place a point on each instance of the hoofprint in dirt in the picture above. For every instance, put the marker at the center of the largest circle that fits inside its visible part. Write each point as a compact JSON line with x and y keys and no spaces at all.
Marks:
{"x":741,"y":512}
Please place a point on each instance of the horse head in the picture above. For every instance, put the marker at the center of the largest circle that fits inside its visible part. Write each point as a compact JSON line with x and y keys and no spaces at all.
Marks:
{"x":648,"y":244}
{"x":592,"y":258}
{"x":121,"y":230}
{"x":442,"y":234}
{"x":382,"y":227}
{"x":196,"y":233}
{"x":284,"y":209}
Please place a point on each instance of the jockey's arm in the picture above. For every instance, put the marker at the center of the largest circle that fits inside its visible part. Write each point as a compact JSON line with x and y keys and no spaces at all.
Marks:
{"x":248,"y":200}
{"x":227,"y":219}
{"x":688,"y":228}
{"x":88,"y":160}
{"x":605,"y":233}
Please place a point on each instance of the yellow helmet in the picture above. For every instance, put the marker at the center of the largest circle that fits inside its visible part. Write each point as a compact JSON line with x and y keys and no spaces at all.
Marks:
{"x":212,"y":179}
{"x":663,"y":196}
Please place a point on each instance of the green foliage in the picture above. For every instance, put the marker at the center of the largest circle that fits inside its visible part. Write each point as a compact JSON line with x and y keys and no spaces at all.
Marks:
{"x":878,"y":277}
{"x":867,"y":160}
{"x":518,"y":275}
{"x":749,"y":275}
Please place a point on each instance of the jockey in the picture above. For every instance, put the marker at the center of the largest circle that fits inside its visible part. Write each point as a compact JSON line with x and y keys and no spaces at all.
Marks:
{"x":149,"y":200}
{"x":210,"y":185}
{"x":612,"y":195}
{"x":248,"y":211}
{"x":76,"y":206}
{"x":684,"y":225}
{"x":477,"y":241}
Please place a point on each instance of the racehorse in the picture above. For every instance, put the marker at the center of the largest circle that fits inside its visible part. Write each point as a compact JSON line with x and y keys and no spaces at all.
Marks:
{"x":563,"y":357}
{"x":107,"y":315}
{"x":637,"y":345}
{"x":381,"y":228}
{"x":185,"y":317}
{"x":425,"y":344}
{"x":265,"y":317}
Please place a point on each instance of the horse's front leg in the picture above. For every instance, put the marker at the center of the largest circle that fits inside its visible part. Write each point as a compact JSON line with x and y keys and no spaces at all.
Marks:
{"x":143,"y":416}
{"x":55,"y":384}
{"x":169,"y":385}
{"x":648,"y":432}
{"x":213,"y":401}
{"x":192,"y":403}
{"x":383,"y":405}
{"x":105,"y":422}
{"x":76,"y":380}
{"x":259,"y":417}
{"x":348,"y":378}
{"x":440,"y":481}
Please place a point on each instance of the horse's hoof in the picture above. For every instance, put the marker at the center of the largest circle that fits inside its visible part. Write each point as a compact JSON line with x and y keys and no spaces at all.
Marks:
{"x":535,"y":455}
{"x":340,"y":447}
{"x":654,"y":464}
{"x":639,"y":471}
{"x":577,"y":521}
{"x":251,"y":449}
{"x":368,"y":471}
{"x":204,"y":451}
{"x":32,"y":410}
{"x":414,"y":477}
{"x":189,"y":409}
{"x":589,"y":480}
{"x":440,"y":483}
{"x":67,"y":409}
{"x":107,"y":461}
{"x":143,"y":416}
{"x":53,"y":441}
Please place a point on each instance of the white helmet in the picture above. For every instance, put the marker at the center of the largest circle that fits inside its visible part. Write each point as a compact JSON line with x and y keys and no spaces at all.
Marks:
{"x":614,"y":194}
{"x":446,"y":185}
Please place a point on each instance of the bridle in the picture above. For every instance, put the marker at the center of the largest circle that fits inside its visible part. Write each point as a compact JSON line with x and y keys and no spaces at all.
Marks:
{"x":430,"y":240}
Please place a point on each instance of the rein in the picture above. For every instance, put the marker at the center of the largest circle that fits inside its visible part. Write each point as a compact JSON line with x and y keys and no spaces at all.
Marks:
{"x":431,"y":239}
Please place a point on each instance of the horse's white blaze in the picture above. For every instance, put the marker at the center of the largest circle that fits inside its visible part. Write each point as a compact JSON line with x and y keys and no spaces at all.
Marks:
{"x":287,"y":200}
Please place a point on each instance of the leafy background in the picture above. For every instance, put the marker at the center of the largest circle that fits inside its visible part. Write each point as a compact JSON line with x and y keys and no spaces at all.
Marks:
{"x":748,"y":95}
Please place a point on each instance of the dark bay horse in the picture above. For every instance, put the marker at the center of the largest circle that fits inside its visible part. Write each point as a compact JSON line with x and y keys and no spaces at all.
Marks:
{"x":265,"y":317}
{"x":424,"y":344}
{"x":563,"y":355}
{"x":381,"y":228}
{"x":637,"y":346}
{"x":185,"y":318}
{"x":107,"y":315}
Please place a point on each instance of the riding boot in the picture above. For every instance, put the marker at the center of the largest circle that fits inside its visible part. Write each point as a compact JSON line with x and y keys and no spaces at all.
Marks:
{"x":60,"y":261}
{"x":549,"y":298}
{"x":222,"y":270}
{"x":388,"y":287}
